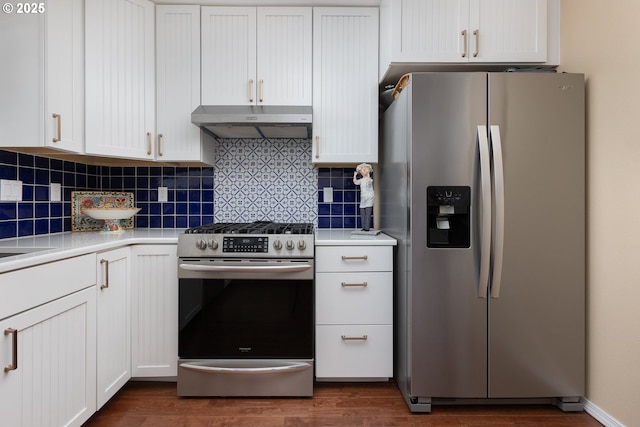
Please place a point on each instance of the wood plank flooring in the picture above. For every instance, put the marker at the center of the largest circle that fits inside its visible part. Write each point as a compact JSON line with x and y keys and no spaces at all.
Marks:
{"x":333,"y":404}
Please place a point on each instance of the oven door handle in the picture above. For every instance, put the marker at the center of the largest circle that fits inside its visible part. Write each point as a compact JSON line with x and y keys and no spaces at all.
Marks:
{"x":294,"y":367}
{"x":246,"y":268}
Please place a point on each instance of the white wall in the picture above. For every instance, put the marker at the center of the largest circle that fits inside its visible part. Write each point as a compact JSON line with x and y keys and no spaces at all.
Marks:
{"x":601,"y":39}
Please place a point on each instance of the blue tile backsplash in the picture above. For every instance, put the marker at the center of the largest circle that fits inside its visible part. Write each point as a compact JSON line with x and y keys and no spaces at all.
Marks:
{"x":252,"y":180}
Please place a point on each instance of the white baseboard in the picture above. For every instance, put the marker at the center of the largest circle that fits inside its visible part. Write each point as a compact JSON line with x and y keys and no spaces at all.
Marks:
{"x":602,"y":417}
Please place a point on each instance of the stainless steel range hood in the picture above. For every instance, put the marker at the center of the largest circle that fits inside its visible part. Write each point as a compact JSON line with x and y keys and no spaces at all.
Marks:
{"x":237,"y":121}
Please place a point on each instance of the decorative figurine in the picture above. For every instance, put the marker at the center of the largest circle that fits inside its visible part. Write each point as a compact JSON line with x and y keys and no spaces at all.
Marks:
{"x":366,"y":193}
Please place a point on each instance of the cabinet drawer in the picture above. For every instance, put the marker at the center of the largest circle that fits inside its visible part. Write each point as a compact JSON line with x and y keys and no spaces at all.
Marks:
{"x":29,"y":287}
{"x":354,"y":298}
{"x":354,"y":258}
{"x":351,"y":351}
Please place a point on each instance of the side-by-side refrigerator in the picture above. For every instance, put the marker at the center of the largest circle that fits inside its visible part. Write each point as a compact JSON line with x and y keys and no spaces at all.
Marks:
{"x":482,"y":182}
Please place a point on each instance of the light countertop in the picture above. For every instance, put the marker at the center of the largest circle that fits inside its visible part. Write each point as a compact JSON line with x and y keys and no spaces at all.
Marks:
{"x":53,"y":247}
{"x":344,"y":237}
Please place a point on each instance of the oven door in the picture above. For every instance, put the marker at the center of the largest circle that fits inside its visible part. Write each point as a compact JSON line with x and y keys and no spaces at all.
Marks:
{"x":245,"y":316}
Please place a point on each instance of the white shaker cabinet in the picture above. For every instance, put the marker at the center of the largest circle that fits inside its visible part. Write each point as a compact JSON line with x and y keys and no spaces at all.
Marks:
{"x":48,"y":344}
{"x":466,"y":31}
{"x":41,"y":78}
{"x":256,"y":56}
{"x":154,"y":311}
{"x":120,"y":78}
{"x":178,"y":86}
{"x":354,"y":312}
{"x":113,"y":322}
{"x":345,"y":85}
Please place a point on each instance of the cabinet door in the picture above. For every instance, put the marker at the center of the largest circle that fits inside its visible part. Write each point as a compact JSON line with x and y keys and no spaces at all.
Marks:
{"x":178,"y":84}
{"x":154,"y":311}
{"x":508,"y":30}
{"x":114,"y":323}
{"x":284,"y":53}
{"x":64,"y":113}
{"x":54,"y":380}
{"x":120,"y":85}
{"x":228,"y":55}
{"x":345,"y":85}
{"x":430,"y":31}
{"x":42,"y":74}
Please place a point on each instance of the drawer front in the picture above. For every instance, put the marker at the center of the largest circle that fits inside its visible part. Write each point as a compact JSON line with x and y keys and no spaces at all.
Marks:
{"x":354,"y":351}
{"x":354,"y":298}
{"x":30,"y":287}
{"x":354,"y":258}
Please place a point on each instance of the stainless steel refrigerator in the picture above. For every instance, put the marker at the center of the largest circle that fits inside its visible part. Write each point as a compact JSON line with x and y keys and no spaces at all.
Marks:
{"x":482,"y":182}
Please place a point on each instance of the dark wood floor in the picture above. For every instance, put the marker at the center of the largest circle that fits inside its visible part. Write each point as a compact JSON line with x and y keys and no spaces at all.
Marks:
{"x":363,"y":404}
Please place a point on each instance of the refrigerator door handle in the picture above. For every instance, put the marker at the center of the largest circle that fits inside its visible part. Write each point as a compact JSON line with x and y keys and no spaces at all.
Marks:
{"x":485,"y":229}
{"x":498,"y":185}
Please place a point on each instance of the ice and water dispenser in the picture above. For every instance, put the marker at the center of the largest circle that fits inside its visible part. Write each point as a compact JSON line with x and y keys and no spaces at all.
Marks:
{"x":448,"y":217}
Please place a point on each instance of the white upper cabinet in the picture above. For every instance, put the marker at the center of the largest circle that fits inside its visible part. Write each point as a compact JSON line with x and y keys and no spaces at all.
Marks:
{"x":178,"y":85}
{"x":41,"y":78}
{"x":467,"y":31}
{"x":120,"y":78}
{"x":256,"y":56}
{"x":507,"y":31}
{"x":345,"y":85}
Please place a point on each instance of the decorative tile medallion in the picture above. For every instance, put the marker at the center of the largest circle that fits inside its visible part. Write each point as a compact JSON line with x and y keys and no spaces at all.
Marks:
{"x":271,"y":180}
{"x":97,"y":199}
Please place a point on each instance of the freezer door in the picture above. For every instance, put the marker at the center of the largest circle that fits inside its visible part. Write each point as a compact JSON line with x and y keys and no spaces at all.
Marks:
{"x":537,"y":309}
{"x":447,"y":336}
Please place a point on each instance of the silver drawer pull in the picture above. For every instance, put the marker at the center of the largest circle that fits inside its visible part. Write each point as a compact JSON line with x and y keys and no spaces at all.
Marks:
{"x":346,"y":338}
{"x":362,"y":257}
{"x":346,"y":285}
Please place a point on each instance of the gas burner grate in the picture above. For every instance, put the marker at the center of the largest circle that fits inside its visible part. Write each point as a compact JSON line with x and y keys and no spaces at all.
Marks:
{"x":258,"y":227}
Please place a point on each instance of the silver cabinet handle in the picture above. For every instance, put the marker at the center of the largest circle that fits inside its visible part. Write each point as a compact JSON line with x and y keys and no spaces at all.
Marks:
{"x":477,"y":34}
{"x":106,"y":273}
{"x":349,"y":285}
{"x":14,"y":350}
{"x":361,"y":257}
{"x":464,"y":40}
{"x":58,"y":136}
{"x":260,"y":85}
{"x":149,"y":143}
{"x":347,"y":338}
{"x":250,"y":90}
{"x":160,"y":145}
{"x":317,"y":147}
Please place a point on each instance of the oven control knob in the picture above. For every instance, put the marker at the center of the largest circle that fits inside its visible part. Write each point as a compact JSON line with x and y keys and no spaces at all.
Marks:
{"x":201,"y":244}
{"x":290,"y":245}
{"x":277,"y":245}
{"x":302,"y":245}
{"x":213,"y":244}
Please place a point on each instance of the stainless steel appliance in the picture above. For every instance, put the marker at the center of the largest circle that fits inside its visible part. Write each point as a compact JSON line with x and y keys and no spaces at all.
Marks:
{"x":251,"y":121}
{"x":483,"y":183}
{"x":246,"y":317}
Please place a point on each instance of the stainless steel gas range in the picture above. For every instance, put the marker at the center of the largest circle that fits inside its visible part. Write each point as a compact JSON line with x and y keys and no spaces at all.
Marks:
{"x":246,"y":295}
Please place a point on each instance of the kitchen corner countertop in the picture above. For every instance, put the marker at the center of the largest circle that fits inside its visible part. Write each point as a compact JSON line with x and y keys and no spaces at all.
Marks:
{"x":53,"y":247}
{"x":343,"y":237}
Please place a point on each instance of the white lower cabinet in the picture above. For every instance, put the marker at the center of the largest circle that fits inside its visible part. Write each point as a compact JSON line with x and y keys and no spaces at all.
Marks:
{"x":113,"y":322}
{"x":48,"y":351}
{"x":154,"y":311}
{"x":354,"y":313}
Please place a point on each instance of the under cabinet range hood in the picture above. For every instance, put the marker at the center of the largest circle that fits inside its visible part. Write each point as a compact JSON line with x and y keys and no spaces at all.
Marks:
{"x":239,"y":121}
